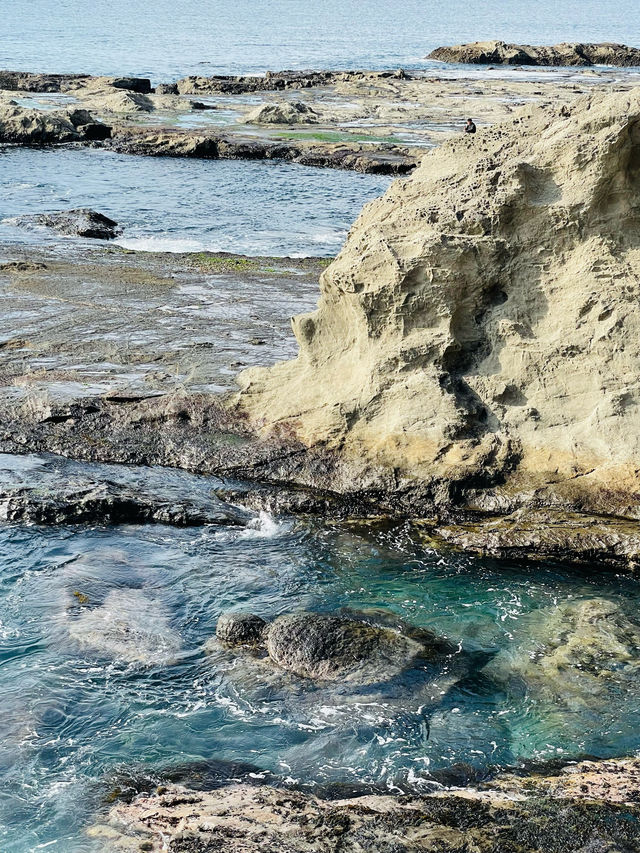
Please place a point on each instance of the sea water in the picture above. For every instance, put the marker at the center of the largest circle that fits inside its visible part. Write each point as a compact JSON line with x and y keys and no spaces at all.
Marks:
{"x":77,"y":710}
{"x":165,"y":40}
{"x":183,"y":205}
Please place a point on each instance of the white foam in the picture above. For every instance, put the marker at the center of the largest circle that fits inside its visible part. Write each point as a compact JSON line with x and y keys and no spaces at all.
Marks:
{"x":161,"y":244}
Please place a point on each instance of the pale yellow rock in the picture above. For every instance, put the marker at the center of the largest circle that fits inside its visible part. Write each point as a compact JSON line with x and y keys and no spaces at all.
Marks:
{"x":482,"y":319}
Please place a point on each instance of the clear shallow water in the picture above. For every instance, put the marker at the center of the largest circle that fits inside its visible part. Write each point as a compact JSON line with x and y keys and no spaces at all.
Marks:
{"x":75,"y":712}
{"x":182,"y":205}
{"x":239,"y":36}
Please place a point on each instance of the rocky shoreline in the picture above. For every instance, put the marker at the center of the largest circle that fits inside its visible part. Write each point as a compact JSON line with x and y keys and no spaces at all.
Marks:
{"x":586,"y":806}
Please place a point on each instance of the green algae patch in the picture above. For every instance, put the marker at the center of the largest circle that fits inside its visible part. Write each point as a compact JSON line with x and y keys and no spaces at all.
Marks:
{"x":337,"y":136}
{"x":225,"y":263}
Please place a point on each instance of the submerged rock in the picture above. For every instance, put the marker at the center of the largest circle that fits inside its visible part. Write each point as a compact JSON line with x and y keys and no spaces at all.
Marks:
{"x":502,"y":53}
{"x":129,"y":626}
{"x":477,"y":338}
{"x":80,"y":222}
{"x":325,"y":647}
{"x":578,"y":655}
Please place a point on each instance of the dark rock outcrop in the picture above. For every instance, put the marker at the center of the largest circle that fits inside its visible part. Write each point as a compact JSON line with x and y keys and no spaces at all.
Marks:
{"x":28,"y":81}
{"x":503,"y":53}
{"x":275,"y":81}
{"x":330,"y":647}
{"x":546,"y":534}
{"x":81,"y":222}
{"x":240,"y":629}
{"x":108,"y":503}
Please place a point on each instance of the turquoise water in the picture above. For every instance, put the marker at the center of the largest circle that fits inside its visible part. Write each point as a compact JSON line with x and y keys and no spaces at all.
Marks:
{"x":166,"y":41}
{"x":182,"y":205}
{"x":75,"y":712}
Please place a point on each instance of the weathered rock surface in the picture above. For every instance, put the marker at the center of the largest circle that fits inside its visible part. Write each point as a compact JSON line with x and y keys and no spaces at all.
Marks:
{"x":503,"y":53}
{"x":328,"y":647}
{"x":589,"y":807}
{"x":294,"y":112}
{"x":81,"y":222}
{"x":544,"y":534}
{"x":275,"y":81}
{"x":23,"y":126}
{"x":477,"y":340}
{"x":240,"y":629}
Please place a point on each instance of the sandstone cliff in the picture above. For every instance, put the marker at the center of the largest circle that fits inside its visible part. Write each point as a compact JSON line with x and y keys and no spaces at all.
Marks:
{"x":477,"y":340}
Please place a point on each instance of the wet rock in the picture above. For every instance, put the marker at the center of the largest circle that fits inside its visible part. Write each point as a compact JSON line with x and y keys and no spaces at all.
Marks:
{"x":502,"y":53}
{"x":279,"y":81}
{"x":535,"y":815}
{"x":107,"y":503}
{"x":325,"y":647}
{"x":544,"y":534}
{"x":129,"y":626}
{"x":167,"y":89}
{"x":142,"y":85}
{"x":27,"y":81}
{"x":240,"y":629}
{"x":80,"y":222}
{"x":287,"y":112}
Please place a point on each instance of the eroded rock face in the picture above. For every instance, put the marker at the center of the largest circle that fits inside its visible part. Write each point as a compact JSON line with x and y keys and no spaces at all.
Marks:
{"x":32,"y":127}
{"x":326,"y":647}
{"x":478,"y":336}
{"x":76,"y":223}
{"x":503,"y":53}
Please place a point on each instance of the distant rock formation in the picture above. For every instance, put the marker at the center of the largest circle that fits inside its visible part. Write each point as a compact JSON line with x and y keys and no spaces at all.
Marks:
{"x":283,"y":113}
{"x":23,"y":126}
{"x":477,"y":340}
{"x":503,"y":53}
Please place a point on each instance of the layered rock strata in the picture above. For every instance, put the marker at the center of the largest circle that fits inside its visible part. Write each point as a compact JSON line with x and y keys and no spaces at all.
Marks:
{"x":565,"y":54}
{"x":477,"y":339}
